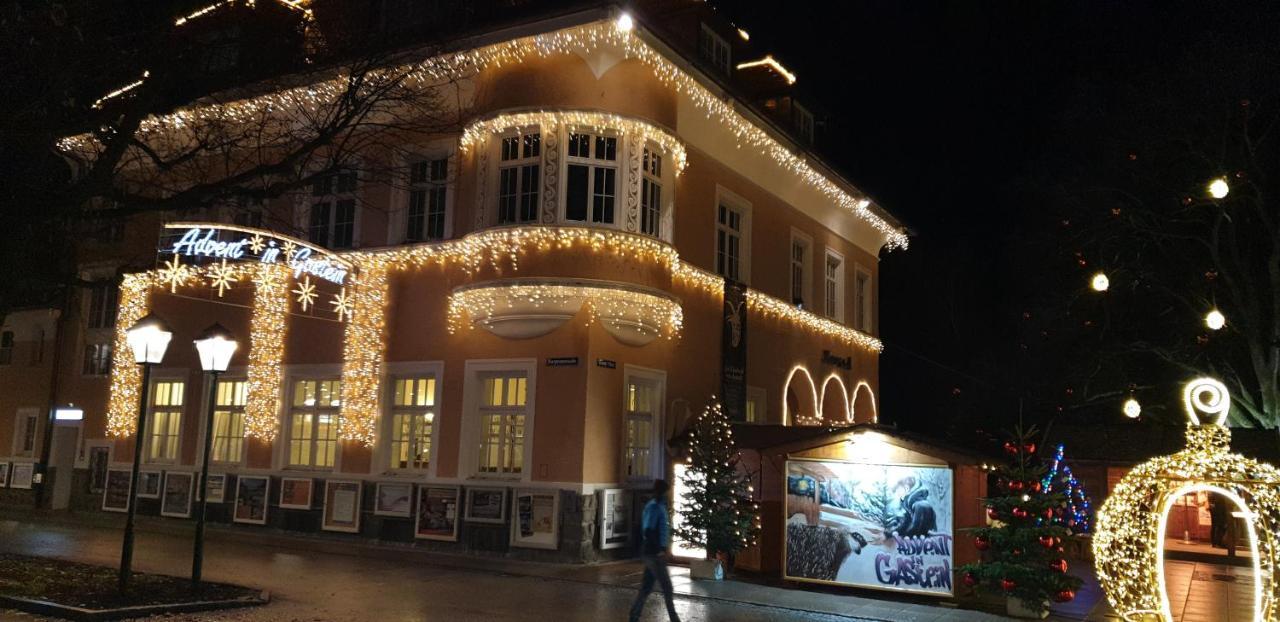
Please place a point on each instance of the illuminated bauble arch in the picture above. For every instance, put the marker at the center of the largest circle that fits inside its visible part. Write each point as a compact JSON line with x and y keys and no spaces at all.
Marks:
{"x":1128,"y":545}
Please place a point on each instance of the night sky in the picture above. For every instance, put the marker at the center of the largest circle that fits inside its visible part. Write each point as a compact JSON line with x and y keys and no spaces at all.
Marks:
{"x":947,"y":112}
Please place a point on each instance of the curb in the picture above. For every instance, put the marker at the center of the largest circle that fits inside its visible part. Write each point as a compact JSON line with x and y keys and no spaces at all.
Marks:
{"x":81,"y":614}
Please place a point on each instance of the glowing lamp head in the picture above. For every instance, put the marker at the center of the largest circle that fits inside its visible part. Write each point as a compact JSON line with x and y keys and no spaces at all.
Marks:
{"x":1215,"y":320}
{"x":625,"y":23}
{"x":1100,"y":282}
{"x":148,"y":338}
{"x":215,"y":346}
{"x":1219,"y":188}
{"x":1132,"y":408}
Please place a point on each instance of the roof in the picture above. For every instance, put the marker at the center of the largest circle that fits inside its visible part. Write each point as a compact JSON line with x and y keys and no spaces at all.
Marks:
{"x":782,"y":439}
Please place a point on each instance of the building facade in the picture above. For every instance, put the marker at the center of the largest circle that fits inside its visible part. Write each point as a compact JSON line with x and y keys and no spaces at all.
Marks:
{"x":531,"y":305}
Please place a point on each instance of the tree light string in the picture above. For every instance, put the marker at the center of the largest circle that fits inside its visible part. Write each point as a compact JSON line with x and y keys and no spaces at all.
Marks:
{"x":586,"y":39}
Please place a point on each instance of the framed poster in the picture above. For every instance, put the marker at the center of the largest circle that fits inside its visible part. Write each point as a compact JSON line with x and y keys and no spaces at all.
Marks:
{"x":437,"y":513}
{"x":615,"y":518}
{"x":99,"y":461}
{"x":341,"y":506}
{"x":20,"y":474}
{"x":486,"y":505}
{"x":178,"y":487}
{"x":880,"y":526}
{"x":115,"y":492}
{"x":536,"y":519}
{"x":4,"y":474}
{"x":251,"y":499}
{"x":216,"y":488}
{"x":394,"y":499}
{"x":295,"y":493}
{"x":148,"y":484}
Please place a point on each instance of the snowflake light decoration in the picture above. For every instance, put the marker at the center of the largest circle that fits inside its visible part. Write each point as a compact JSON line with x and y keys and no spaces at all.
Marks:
{"x":343,"y":305}
{"x":306,"y":292}
{"x":222,"y":276}
{"x":256,"y":244}
{"x":174,"y":274}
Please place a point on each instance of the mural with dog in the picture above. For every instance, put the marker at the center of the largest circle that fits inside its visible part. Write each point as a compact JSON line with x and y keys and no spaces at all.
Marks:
{"x":883,"y":526}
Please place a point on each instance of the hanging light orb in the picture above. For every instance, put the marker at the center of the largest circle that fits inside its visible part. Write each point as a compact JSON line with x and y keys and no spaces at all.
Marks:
{"x":1215,"y":320}
{"x":1132,"y":408}
{"x":625,"y":23}
{"x":1219,"y":188}
{"x":1100,"y":282}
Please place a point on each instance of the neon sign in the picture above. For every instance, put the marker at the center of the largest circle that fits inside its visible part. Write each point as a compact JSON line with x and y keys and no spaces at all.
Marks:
{"x":215,"y":241}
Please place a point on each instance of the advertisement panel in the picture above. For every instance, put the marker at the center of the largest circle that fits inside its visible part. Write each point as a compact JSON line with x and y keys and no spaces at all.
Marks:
{"x":880,"y":526}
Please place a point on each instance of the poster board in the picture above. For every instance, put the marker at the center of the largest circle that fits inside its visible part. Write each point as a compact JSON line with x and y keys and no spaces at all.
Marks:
{"x":178,"y":488}
{"x":216,"y":488}
{"x":437,"y":513}
{"x":295,"y":493}
{"x":486,"y":505}
{"x":341,"y":506}
{"x":4,"y":474}
{"x":20,"y":475}
{"x":115,"y":491}
{"x":878,"y":526}
{"x":615,"y":518}
{"x":149,"y":484}
{"x":393,"y":499}
{"x":251,"y":499}
{"x":535,"y":520}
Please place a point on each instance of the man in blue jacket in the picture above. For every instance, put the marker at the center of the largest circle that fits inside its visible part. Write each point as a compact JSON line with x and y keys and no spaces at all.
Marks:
{"x":655,"y":536}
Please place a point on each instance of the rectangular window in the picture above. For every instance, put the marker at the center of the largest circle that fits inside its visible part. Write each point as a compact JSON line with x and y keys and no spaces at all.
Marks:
{"x":643,"y":401}
{"x":102,"y":305}
{"x":6,"y":347}
{"x":729,"y":243}
{"x":591,"y":178}
{"x":228,"y":422}
{"x":862,"y":302}
{"x":428,"y":185}
{"x":332,"y":222}
{"x":757,"y":405}
{"x":651,"y":194}
{"x":503,"y":410}
{"x":834,"y":290}
{"x":519,"y":178}
{"x":803,"y":122}
{"x":800,"y":271}
{"x":714,"y":49}
{"x":26,"y":431}
{"x":413,"y":414}
{"x":165,"y":420}
{"x":97,"y":359}
{"x":313,"y":423}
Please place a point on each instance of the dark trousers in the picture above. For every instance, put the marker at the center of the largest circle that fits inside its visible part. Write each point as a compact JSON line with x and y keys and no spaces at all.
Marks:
{"x":655,"y":569}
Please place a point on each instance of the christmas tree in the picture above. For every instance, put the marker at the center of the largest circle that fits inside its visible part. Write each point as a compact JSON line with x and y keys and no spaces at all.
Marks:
{"x":876,"y":505}
{"x":1077,"y":516}
{"x":1023,"y":554}
{"x":719,"y":514}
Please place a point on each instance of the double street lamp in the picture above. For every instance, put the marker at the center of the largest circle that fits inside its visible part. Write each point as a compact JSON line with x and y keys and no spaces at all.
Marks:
{"x":149,"y":339}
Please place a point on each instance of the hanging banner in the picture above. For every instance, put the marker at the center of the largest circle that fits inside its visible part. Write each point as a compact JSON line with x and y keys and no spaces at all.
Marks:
{"x":733,"y":352}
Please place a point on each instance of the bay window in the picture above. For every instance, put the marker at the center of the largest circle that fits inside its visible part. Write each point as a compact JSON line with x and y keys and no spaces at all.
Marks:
{"x":312,"y":424}
{"x":651,"y":193}
{"x":519,"y":177}
{"x":591,"y":178}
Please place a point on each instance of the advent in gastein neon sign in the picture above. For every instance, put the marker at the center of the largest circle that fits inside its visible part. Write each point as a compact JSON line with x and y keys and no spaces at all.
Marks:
{"x":215,"y":241}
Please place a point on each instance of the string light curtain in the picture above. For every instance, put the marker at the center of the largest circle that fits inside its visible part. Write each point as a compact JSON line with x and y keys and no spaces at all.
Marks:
{"x":267,"y":326}
{"x":126,"y":378}
{"x":363,"y":350}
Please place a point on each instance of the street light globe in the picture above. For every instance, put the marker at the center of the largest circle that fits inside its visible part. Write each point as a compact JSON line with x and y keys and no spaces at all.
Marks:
{"x":148,"y":338}
{"x":1100,"y":282}
{"x":215,"y":346}
{"x":1132,"y":408}
{"x":625,"y":22}
{"x":1218,"y":188}
{"x":1215,"y":320}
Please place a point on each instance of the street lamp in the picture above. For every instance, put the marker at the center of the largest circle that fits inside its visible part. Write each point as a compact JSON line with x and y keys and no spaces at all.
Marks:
{"x":1100,"y":282}
{"x":1215,"y":320}
{"x":215,"y":346}
{"x":148,"y":338}
{"x":1218,"y":188}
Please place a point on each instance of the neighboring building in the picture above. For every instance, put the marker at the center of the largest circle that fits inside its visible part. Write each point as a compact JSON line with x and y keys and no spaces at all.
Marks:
{"x":535,"y":301}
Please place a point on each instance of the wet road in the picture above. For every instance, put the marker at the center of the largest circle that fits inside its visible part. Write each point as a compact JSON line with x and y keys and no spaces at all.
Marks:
{"x":309,"y":586}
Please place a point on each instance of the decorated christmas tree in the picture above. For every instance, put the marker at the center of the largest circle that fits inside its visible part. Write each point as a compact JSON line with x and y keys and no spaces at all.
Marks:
{"x":876,"y":505}
{"x":1022,"y":547}
{"x":718,"y":512}
{"x":1077,"y":516}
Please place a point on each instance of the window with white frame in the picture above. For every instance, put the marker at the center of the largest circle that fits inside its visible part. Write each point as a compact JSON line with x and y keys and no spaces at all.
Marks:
{"x":25,"y":433}
{"x":165,"y":420}
{"x":714,"y":49}
{"x":228,"y":421}
{"x":103,"y":297}
{"x":428,"y":190}
{"x":801,"y":254}
{"x":730,"y":225}
{"x":6,"y":347}
{"x":503,"y":411}
{"x":413,"y":414}
{"x":643,"y":400}
{"x":332,"y":220}
{"x":833,"y":277}
{"x":591,"y":178}
{"x":519,"y":177}
{"x":651,"y":193}
{"x":862,"y":301}
{"x":313,"y":423}
{"x":97,"y":359}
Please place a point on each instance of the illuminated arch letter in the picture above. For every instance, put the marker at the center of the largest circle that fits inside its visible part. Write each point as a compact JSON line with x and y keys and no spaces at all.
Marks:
{"x":800,"y":395}
{"x":863,"y":385}
{"x":844,"y":399}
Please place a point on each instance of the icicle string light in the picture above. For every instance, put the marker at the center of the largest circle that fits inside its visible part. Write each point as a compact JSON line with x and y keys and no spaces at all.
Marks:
{"x":635,"y":306}
{"x":587,"y":39}
{"x":267,"y":326}
{"x":126,"y":378}
{"x":475,"y":134}
{"x":364,"y":350}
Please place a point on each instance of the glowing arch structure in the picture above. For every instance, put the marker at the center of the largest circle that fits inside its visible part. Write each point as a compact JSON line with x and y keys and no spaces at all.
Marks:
{"x":1128,"y":545}
{"x":863,"y":385}
{"x":844,"y":392}
{"x":813,"y":394}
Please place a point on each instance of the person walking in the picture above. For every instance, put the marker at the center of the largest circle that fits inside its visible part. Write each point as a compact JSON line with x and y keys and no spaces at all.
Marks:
{"x":655,"y":535}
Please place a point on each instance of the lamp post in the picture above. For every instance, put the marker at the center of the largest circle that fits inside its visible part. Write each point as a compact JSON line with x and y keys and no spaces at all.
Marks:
{"x":215,"y":346}
{"x":148,"y":338}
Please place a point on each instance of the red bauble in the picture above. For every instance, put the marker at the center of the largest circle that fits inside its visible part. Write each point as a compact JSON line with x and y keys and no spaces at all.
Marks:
{"x":1008,"y":585}
{"x":1046,"y":541}
{"x":981,"y":543}
{"x":970,"y":579}
{"x":1036,"y":487}
{"x":1029,"y":448}
{"x":1048,"y":513}
{"x":1017,"y":552}
{"x":1016,"y":485}
{"x":1010,"y":448}
{"x":1064,"y":596}
{"x":991,"y":513}
{"x":1019,"y":513}
{"x":1059,"y":566}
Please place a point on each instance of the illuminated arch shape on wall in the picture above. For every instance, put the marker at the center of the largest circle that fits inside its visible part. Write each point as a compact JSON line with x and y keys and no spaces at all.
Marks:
{"x":863,"y":385}
{"x":1128,"y":545}
{"x":844,"y":392}
{"x":813,"y":393}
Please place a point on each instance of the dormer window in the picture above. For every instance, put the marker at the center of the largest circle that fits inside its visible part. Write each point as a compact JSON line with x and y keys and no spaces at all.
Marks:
{"x":519,"y":176}
{"x":714,"y":49}
{"x":591,"y":178}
